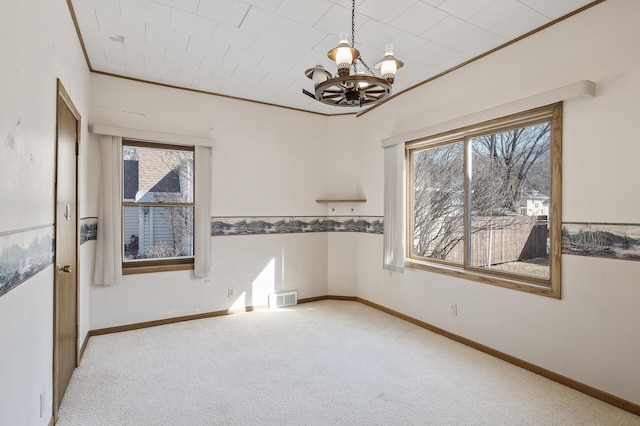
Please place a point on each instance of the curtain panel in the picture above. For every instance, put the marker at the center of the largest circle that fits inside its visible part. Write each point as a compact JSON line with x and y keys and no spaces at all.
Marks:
{"x":393,"y":245}
{"x":108,"y":268}
{"x":202,"y":217}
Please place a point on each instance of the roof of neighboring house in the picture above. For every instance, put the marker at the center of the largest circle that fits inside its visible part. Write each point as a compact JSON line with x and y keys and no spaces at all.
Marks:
{"x":169,"y":183}
{"x":130,"y":184}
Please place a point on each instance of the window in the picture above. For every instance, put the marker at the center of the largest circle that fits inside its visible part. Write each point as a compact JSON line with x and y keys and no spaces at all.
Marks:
{"x":474,"y":205}
{"x":157,"y":207}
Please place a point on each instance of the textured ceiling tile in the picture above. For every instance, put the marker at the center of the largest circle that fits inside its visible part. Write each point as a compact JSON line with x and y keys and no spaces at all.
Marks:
{"x":139,"y":48}
{"x":434,"y":3}
{"x":276,"y":48}
{"x":166,"y":38}
{"x":239,"y":57}
{"x":231,"y":12}
{"x":385,"y":11}
{"x":304,"y":59}
{"x":265,"y":24}
{"x":95,"y":51}
{"x":218,"y":67}
{"x":186,"y":5}
{"x":169,"y":71}
{"x":414,"y":71}
{"x":465,"y":9}
{"x":509,"y":19}
{"x":346,"y":3}
{"x":195,"y":75}
{"x":86,"y":15}
{"x":112,"y":68}
{"x":338,"y":20}
{"x":231,"y":36}
{"x":274,"y":66}
{"x":248,"y":73}
{"x":418,"y":18}
{"x":403,"y":43}
{"x":554,"y":9}
{"x":147,"y":11}
{"x":111,"y":6}
{"x":438,"y":56}
{"x":462,"y":36}
{"x":115,"y":25}
{"x":134,"y":64}
{"x":188,"y":23}
{"x":277,"y":81}
{"x":307,"y":12}
{"x":376,"y":34}
{"x":206,"y":48}
{"x":268,"y":5}
{"x":183,"y":58}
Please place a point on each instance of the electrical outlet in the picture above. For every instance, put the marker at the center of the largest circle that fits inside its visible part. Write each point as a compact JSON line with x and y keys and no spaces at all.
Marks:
{"x":454,"y":309}
{"x":230,"y":292}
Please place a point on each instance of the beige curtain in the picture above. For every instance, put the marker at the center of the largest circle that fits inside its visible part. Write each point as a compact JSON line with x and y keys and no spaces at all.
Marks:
{"x":202,"y":215}
{"x":393,"y":245}
{"x":108,"y":268}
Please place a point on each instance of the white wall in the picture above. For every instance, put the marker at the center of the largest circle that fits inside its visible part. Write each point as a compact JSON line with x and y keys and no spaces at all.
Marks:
{"x":38,"y":44}
{"x":591,"y":334}
{"x":266,"y":162}
{"x":343,"y":183}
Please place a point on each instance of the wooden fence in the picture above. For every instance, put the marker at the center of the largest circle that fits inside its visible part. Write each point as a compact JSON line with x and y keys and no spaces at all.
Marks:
{"x":504,"y":239}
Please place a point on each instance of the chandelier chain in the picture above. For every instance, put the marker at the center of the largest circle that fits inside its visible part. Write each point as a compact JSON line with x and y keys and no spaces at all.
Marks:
{"x":353,"y":37}
{"x":353,"y":23}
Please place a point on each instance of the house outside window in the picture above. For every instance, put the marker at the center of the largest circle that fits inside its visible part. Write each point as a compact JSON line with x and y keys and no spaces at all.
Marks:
{"x":484,"y":202}
{"x":157,"y":207}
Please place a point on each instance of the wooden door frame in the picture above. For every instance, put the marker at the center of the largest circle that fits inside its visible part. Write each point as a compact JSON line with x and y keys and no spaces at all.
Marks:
{"x":62,"y":93}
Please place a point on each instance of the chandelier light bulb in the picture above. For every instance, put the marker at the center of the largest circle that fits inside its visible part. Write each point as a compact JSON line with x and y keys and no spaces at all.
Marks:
{"x":344,"y":55}
{"x":319,"y":74}
{"x":389,"y":65}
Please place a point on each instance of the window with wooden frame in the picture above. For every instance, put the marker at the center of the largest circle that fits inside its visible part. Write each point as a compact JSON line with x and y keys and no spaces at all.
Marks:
{"x":157,"y":207}
{"x":484,"y":201}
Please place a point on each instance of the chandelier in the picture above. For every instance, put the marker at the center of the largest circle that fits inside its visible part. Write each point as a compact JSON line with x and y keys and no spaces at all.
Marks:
{"x":352,"y":86}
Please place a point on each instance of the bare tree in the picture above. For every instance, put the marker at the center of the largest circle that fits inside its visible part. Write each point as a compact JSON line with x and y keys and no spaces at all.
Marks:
{"x":508,"y":158}
{"x":438,"y":203}
{"x":503,"y":164}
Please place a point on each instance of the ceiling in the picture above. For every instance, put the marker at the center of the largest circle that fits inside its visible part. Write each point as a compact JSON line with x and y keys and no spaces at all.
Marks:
{"x":259,"y":49}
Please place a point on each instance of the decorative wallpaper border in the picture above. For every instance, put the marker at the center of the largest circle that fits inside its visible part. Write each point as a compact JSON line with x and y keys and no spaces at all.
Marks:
{"x":608,"y":240}
{"x":234,"y":225}
{"x":24,"y":253}
{"x":88,"y":229}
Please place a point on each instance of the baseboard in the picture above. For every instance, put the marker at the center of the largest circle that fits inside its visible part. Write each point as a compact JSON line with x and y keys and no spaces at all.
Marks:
{"x":318,"y":298}
{"x":146,"y":324}
{"x":82,"y":348}
{"x":312,"y":299}
{"x":563,"y":380}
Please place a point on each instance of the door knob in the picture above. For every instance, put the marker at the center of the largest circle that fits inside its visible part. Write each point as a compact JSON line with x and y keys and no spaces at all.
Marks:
{"x":65,"y":268}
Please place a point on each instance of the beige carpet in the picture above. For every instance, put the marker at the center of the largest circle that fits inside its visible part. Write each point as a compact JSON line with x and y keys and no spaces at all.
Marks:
{"x":321,"y":363}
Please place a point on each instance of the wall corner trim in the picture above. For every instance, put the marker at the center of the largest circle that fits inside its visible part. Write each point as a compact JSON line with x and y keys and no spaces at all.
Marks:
{"x":564,"y":93}
{"x":107,"y":130}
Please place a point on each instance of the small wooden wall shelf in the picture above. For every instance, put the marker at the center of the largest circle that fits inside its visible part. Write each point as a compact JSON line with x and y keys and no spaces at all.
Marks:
{"x":351,"y":200}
